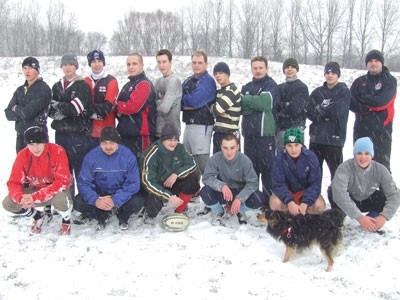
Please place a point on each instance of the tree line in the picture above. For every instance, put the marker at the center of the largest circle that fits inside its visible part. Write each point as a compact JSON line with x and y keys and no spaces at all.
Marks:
{"x":313,"y":31}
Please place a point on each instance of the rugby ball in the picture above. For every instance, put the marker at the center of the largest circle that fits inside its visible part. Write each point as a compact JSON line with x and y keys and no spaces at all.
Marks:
{"x":175,"y":222}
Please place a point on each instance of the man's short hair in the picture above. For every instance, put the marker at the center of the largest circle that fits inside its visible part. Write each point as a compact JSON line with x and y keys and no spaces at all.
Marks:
{"x":229,"y":137}
{"x":137,"y":55}
{"x":200,"y":53}
{"x":165,"y":52}
{"x":260,"y":58}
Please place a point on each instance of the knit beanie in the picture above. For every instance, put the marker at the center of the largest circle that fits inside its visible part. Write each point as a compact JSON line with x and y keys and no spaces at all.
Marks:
{"x":364,"y":144}
{"x":169,"y":131}
{"x":293,"y":135}
{"x":31,"y":62}
{"x":222,"y":67}
{"x":332,"y":67}
{"x":292,"y":62}
{"x":111,"y":134}
{"x":96,"y":54}
{"x":36,"y":134}
{"x":374,"y":54}
{"x":69,"y":59}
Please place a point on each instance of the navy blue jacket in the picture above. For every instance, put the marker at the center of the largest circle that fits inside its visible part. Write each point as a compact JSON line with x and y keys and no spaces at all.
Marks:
{"x":253,"y":123}
{"x":116,"y":175}
{"x":328,"y":111}
{"x":305,"y":176}
{"x":198,"y":93}
{"x":291,"y":108}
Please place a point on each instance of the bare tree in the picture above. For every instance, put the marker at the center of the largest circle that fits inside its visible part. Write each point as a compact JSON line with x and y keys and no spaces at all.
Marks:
{"x":123,"y":37}
{"x":277,"y":15}
{"x":248,"y":28}
{"x":231,"y":17}
{"x":193,"y":27}
{"x":94,"y":40}
{"x":335,"y":16}
{"x":363,"y":28}
{"x":347,"y":37}
{"x":294,"y":40}
{"x":388,"y":18}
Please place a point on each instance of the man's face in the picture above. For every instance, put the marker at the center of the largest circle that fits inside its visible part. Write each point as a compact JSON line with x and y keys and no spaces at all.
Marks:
{"x":258,"y":69}
{"x":69,"y":71}
{"x":222,"y":78}
{"x":36,"y":148}
{"x":170,"y":144}
{"x":363,"y":159}
{"x":30,"y":73}
{"x":97,"y":66}
{"x":374,"y":66}
{"x":164,"y":65}
{"x":229,"y":149}
{"x":109,"y":147}
{"x":134,"y":65}
{"x":331,"y":79}
{"x":290,"y":72}
{"x":293,"y":149}
{"x":199,"y":66}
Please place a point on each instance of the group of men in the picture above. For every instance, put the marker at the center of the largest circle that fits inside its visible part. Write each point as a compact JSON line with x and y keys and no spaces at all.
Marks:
{"x":140,"y":162}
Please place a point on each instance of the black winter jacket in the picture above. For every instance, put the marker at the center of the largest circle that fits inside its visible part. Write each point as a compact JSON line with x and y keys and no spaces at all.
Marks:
{"x":70,"y":109}
{"x":328,"y":111}
{"x":31,"y":106}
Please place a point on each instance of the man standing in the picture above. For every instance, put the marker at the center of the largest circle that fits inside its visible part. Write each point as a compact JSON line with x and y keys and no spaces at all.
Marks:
{"x":71,"y":100}
{"x":169,"y":173}
{"x":30,"y":102}
{"x":238,"y":189}
{"x":136,"y":108}
{"x":328,"y":111}
{"x":169,"y":93}
{"x":363,"y":185}
{"x":373,"y":97}
{"x":198,"y":94}
{"x":259,"y":98}
{"x":104,"y":91}
{"x":45,"y":167}
{"x":227,"y":106}
{"x":110,"y":178}
{"x":293,"y":98}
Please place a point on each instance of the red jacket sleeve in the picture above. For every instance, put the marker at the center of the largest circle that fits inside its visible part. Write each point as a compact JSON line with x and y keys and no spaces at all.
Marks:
{"x":137,"y":99}
{"x":17,"y":178}
{"x":112,"y":91}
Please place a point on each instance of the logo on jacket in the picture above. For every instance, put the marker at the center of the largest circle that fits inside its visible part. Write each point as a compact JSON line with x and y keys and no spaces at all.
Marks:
{"x":102,"y":89}
{"x":73,"y":94}
{"x":326,"y":102}
{"x":378,"y":86}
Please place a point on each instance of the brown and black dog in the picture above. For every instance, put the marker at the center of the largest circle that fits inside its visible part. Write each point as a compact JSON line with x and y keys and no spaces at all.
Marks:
{"x":301,"y":231}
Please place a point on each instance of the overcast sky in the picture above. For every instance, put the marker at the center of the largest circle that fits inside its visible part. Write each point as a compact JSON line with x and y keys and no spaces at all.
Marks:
{"x":103,"y":15}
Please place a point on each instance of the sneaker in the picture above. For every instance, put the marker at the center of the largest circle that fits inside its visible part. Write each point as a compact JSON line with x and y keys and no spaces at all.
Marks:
{"x":65,"y":229}
{"x":100,"y":226}
{"x":81,"y":220}
{"x":204,"y":212}
{"x":241,"y":218}
{"x":149,"y":220}
{"x":37,"y":224}
{"x":218,"y":219}
{"x":123,"y":225}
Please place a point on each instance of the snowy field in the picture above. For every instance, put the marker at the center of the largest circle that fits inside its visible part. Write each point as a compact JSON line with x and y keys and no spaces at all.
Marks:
{"x":204,"y":262}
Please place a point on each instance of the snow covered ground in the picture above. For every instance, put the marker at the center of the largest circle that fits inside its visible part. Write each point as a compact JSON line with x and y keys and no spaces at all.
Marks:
{"x":204,"y":262}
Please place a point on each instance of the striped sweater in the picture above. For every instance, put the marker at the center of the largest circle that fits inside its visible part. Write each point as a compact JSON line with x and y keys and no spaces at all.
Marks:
{"x":227,"y":109}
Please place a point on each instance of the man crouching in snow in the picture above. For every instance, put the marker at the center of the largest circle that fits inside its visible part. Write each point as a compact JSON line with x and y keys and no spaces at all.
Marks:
{"x":44,"y":166}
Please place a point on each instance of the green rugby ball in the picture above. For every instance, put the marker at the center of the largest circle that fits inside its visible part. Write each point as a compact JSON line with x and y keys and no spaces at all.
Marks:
{"x":175,"y":222}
